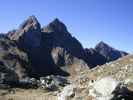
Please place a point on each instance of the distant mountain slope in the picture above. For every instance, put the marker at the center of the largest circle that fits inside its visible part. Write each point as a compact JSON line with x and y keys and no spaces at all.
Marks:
{"x":121,"y":69}
{"x":108,"y":52}
{"x":101,"y":54}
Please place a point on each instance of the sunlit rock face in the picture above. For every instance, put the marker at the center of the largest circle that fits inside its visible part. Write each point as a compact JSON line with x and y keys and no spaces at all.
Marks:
{"x":28,"y":34}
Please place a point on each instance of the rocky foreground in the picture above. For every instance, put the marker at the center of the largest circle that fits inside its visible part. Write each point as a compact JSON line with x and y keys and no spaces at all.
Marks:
{"x":111,"y":81}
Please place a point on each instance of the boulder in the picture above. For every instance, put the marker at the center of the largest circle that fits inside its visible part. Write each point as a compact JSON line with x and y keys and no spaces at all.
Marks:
{"x":68,"y":93}
{"x":109,"y":89}
{"x":102,"y":89}
{"x":121,"y":92}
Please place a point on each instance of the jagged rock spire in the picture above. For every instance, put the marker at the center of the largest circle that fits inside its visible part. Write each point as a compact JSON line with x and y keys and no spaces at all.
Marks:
{"x":29,"y":33}
{"x":32,"y":23}
{"x":55,"y":26}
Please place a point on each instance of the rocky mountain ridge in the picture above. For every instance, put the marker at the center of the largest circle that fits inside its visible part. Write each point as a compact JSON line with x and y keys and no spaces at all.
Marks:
{"x":109,"y":52}
{"x":53,"y":50}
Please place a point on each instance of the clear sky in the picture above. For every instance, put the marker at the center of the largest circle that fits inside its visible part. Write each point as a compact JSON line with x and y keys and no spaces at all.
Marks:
{"x":90,"y":21}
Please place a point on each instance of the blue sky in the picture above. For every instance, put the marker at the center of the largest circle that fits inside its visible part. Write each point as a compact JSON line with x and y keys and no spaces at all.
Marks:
{"x":90,"y":21}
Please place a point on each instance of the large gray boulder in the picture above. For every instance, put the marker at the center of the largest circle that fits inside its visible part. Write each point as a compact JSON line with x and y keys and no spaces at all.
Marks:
{"x":109,"y":89}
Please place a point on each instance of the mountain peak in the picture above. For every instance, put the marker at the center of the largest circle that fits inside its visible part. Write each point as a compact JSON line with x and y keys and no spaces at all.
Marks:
{"x":55,"y":26}
{"x":56,"y":20}
{"x":102,"y":44}
{"x":31,"y":22}
{"x":109,"y":52}
{"x":28,"y":34}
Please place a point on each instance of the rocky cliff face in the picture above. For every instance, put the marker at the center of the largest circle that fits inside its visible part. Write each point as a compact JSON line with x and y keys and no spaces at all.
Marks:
{"x":62,"y":47}
{"x":60,"y":37}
